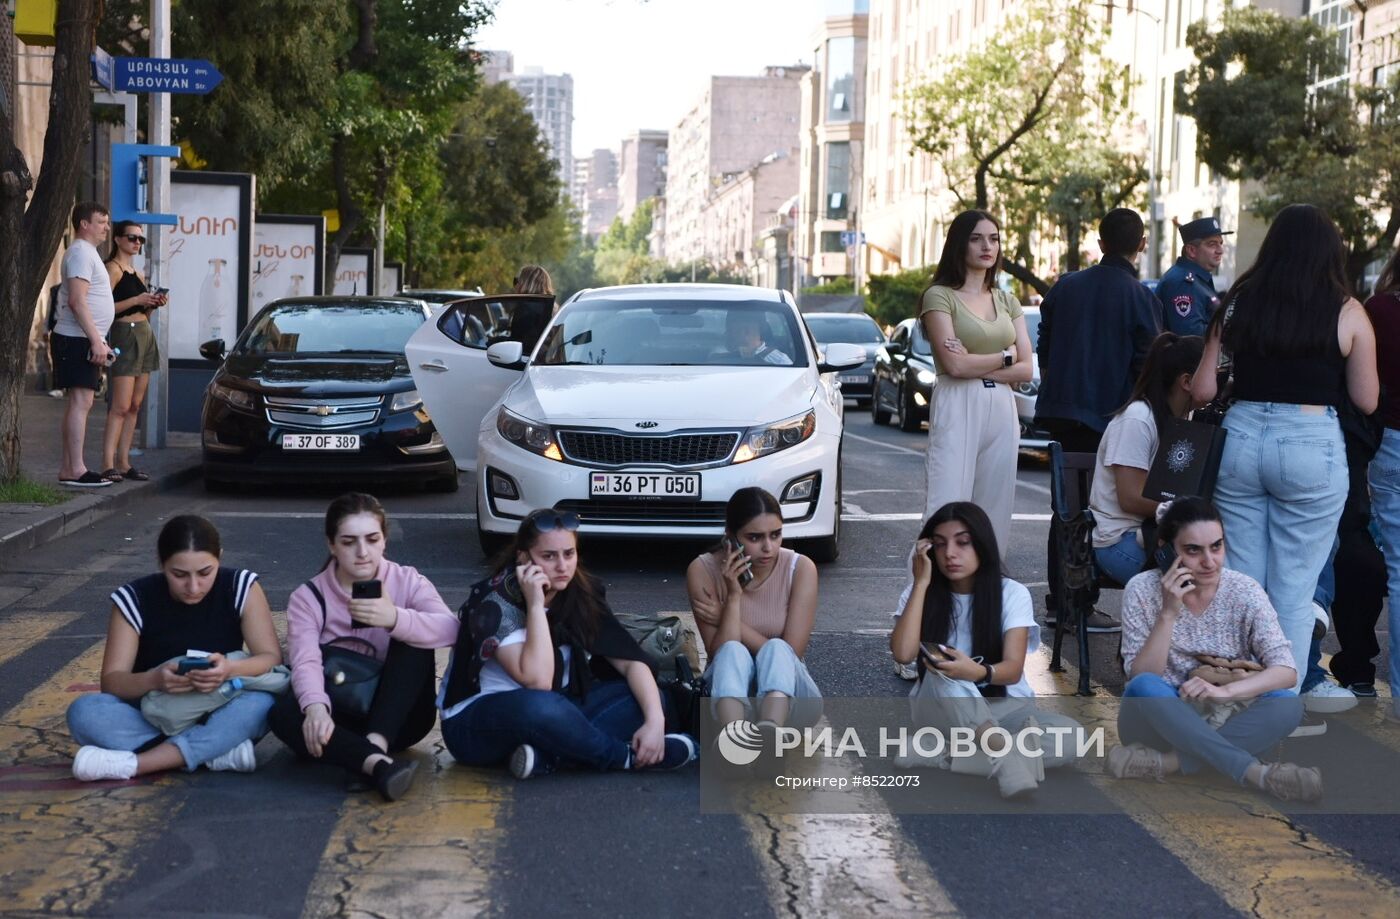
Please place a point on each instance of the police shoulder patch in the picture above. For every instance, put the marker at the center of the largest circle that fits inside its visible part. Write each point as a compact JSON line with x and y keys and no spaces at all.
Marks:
{"x":1183,"y":305}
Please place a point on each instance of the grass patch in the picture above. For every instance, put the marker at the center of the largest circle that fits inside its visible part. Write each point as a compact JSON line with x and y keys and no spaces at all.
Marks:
{"x":23,"y":491}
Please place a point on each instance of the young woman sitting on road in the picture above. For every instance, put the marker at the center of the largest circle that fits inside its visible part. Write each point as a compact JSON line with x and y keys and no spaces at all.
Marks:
{"x":970,"y":629}
{"x":191,"y":604}
{"x":755,"y":603}
{"x":1175,"y":718}
{"x":543,"y":675}
{"x":398,"y":621}
{"x":1162,"y":392}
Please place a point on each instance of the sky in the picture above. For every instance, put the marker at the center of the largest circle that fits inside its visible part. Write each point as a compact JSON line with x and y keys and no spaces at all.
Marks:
{"x":641,"y":64}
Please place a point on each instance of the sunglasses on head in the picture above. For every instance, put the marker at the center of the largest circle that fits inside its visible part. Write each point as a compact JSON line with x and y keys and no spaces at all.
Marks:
{"x":544,"y":521}
{"x":133,"y":238}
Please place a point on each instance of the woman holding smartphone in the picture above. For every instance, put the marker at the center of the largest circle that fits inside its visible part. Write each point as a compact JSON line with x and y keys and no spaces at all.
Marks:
{"x":543,"y":675}
{"x":755,"y":603}
{"x":192,"y":603}
{"x":970,"y":628}
{"x":1173,"y":719}
{"x":139,"y":355}
{"x":364,"y":602}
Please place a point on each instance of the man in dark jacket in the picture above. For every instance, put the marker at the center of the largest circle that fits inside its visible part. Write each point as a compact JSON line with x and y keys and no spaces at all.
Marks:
{"x":1095,"y":328}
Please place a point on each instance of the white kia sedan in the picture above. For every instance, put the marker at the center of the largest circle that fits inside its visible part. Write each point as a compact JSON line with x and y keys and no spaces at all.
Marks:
{"x":641,"y":409}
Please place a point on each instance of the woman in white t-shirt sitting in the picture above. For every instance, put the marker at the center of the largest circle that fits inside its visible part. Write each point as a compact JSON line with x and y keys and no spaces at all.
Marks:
{"x":970,"y":629}
{"x":1162,"y":392}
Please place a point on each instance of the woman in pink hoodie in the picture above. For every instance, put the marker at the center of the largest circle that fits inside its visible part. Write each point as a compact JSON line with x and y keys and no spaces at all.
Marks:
{"x":398,"y":624}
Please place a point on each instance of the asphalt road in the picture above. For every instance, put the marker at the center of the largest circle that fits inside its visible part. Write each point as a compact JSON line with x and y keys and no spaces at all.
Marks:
{"x":288,"y":840}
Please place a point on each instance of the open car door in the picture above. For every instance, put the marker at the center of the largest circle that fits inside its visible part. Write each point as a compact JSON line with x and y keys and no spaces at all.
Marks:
{"x":447,"y":357}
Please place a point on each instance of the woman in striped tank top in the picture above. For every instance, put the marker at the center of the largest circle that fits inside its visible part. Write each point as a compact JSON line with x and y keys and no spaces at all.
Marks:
{"x":755,"y":603}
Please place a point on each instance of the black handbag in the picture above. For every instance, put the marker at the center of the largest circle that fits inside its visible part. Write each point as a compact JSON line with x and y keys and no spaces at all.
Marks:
{"x":352,"y":678}
{"x":1187,"y":461}
{"x":684,"y":691}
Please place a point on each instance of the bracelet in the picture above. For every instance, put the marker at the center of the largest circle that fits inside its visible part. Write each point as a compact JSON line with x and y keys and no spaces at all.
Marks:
{"x":987,"y":681}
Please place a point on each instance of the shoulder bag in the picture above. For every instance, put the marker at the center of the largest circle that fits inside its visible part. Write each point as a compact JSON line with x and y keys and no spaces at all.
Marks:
{"x":352,"y":678}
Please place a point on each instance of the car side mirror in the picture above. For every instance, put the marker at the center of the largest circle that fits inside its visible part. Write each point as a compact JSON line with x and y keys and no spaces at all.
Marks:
{"x":840,"y":356}
{"x":508,"y":355}
{"x":213,"y":350}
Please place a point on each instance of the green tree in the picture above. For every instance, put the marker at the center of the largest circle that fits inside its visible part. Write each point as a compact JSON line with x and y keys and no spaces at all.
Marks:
{"x":1260,"y":116}
{"x":1019,"y":123}
{"x":33,"y":213}
{"x":624,"y":252}
{"x":895,"y":297}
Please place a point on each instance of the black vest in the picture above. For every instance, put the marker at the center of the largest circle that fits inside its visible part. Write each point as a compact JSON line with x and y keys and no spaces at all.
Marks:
{"x":168,"y":628}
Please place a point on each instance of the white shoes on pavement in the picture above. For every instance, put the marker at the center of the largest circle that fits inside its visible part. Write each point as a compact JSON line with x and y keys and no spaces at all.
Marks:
{"x":96,"y":764}
{"x":240,"y":759}
{"x":1327,"y":698}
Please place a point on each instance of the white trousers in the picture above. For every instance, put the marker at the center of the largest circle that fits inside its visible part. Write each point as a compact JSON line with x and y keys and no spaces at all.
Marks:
{"x":973,"y":436}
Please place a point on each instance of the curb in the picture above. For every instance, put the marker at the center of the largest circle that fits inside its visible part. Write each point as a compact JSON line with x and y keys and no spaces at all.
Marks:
{"x":84,"y":511}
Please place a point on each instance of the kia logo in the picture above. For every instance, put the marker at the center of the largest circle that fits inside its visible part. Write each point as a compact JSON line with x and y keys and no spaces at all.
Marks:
{"x":646,"y":424}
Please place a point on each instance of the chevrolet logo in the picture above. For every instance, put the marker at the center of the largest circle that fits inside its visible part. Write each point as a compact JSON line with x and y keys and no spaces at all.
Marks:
{"x":323,"y":410}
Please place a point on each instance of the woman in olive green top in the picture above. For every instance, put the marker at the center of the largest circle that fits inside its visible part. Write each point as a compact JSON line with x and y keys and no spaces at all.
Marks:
{"x":980,"y":347}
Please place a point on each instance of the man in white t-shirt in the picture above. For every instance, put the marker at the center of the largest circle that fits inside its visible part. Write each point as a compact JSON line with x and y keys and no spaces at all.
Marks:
{"x":79,"y":341}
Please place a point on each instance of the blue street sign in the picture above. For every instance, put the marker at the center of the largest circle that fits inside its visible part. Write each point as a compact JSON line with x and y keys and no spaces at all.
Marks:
{"x":852,"y":237}
{"x":166,"y":75}
{"x":103,"y":69}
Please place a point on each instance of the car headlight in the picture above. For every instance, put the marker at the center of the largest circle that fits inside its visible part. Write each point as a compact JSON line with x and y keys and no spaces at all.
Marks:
{"x":1027,"y":388}
{"x":770,"y":438}
{"x":925,"y":377}
{"x":527,"y":434}
{"x":243,"y":401}
{"x":403,"y":401}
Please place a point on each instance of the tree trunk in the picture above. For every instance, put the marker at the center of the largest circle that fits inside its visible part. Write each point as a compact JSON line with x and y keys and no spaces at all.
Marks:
{"x":1072,"y":235}
{"x":1025,"y":276}
{"x":32,"y":235}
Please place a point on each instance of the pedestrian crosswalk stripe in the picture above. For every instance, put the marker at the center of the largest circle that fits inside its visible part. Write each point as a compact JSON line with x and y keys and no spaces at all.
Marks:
{"x":21,"y":631}
{"x":66,"y":843}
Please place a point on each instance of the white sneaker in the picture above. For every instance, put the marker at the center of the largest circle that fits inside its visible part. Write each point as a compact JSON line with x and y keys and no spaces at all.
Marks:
{"x":909,"y":671}
{"x":1015,"y":775}
{"x":1321,"y":621}
{"x":1328,"y":698}
{"x":240,"y":759}
{"x":96,"y":764}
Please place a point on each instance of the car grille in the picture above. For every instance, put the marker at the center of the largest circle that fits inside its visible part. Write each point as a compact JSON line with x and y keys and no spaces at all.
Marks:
{"x":323,"y":414}
{"x":677,"y":451}
{"x":647,"y":513}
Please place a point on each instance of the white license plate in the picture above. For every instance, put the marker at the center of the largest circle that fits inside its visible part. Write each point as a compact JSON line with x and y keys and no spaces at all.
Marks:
{"x":855,"y":378}
{"x":643,"y":485}
{"x":339,"y":443}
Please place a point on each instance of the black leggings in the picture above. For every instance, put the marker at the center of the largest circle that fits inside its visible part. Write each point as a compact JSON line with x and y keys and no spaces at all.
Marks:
{"x":403,"y":712}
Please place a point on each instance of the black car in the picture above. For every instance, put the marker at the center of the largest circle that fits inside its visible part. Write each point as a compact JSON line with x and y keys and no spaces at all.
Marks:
{"x":904,"y":377}
{"x":856,"y":329}
{"x":318,"y":388}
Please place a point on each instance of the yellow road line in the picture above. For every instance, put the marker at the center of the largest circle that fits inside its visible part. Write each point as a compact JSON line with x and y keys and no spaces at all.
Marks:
{"x":430,"y":854}
{"x":63,"y":842}
{"x":21,"y":631}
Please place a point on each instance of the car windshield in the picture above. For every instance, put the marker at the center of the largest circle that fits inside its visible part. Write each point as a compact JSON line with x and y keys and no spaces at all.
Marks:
{"x":1033,"y":326}
{"x":856,"y":329}
{"x":331,"y":328}
{"x":675,"y":333}
{"x":920,"y":342}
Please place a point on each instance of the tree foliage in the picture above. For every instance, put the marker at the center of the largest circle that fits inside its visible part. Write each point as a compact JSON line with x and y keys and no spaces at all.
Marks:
{"x":1021,"y":126}
{"x":1259,"y":116}
{"x":894,"y":298}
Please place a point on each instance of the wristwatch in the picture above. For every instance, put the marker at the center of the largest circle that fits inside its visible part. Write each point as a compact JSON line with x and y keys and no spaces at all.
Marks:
{"x":1008,"y":358}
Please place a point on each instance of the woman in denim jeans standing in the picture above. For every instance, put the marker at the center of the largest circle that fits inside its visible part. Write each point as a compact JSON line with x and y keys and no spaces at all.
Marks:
{"x":1300,"y":344}
{"x":1384,"y":310}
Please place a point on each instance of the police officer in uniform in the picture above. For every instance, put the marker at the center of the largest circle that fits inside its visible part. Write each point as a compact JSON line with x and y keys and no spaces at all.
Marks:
{"x":1187,"y":290}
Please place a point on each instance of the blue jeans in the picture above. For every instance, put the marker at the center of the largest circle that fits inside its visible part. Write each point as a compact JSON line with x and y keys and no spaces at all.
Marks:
{"x":1153,"y":714}
{"x":100,"y":719}
{"x":1282,"y":484}
{"x":595,"y":733}
{"x":1122,"y":560}
{"x":734,"y":673}
{"x":1323,"y":595}
{"x":1384,"y":477}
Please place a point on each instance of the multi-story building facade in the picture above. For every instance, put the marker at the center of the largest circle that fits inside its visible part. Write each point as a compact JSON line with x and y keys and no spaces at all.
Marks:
{"x":833,"y":140}
{"x":496,"y":66}
{"x":735,"y":125}
{"x":595,"y":190}
{"x":550,"y":98}
{"x":641,"y":170}
{"x":741,"y":209}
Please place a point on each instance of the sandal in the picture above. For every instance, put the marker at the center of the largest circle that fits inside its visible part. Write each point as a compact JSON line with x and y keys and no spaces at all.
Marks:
{"x":111,"y":475}
{"x":136,"y":475}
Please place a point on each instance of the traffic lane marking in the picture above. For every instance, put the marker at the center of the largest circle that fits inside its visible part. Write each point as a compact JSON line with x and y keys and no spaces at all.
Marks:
{"x":22,"y":631}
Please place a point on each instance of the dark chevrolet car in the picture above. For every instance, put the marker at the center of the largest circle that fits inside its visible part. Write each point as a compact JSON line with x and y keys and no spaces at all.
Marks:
{"x":904,"y":377}
{"x":318,"y":389}
{"x":856,"y":329}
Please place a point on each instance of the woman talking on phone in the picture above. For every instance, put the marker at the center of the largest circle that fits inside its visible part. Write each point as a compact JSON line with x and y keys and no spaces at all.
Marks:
{"x":1210,"y":672}
{"x":755,"y":603}
{"x":543,"y":675}
{"x":365,"y":604}
{"x":970,"y":629}
{"x":192,"y":604}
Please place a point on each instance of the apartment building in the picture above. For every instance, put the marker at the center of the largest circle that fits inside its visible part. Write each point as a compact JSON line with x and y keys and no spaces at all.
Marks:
{"x":833,"y":140}
{"x":550,"y":98}
{"x":742,"y":208}
{"x":735,"y":124}
{"x":641,"y":170}
{"x":594,"y":190}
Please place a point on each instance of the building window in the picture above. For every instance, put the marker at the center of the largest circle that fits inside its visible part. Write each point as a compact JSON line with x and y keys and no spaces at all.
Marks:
{"x":838,"y":180}
{"x":831,"y":241}
{"x":840,"y":79}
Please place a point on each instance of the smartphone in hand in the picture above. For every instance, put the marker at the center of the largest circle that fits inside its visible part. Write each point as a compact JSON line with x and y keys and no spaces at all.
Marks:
{"x":366,"y":590}
{"x":746,"y":575}
{"x":1165,"y":558}
{"x":185,"y":664}
{"x":935,"y":653}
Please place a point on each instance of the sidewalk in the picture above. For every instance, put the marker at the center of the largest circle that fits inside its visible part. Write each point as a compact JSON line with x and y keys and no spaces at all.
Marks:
{"x":24,"y":526}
